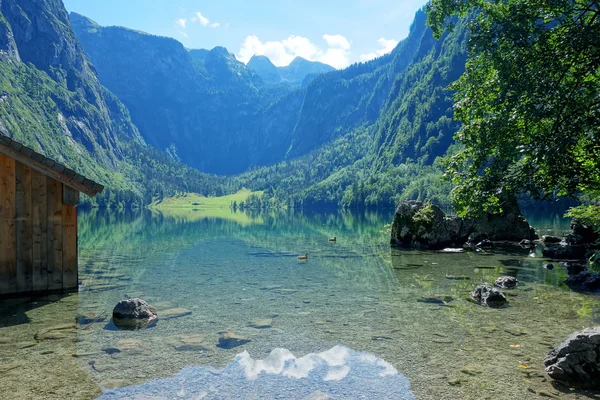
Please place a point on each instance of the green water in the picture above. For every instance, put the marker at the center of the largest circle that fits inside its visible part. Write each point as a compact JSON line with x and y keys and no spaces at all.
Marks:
{"x":224,"y":274}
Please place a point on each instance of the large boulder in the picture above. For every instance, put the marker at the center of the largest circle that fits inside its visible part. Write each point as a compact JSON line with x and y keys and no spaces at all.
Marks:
{"x":576,"y":361}
{"x":564,"y":252}
{"x":588,"y":234}
{"x":584,"y":282}
{"x":133,"y":314}
{"x":423,"y":225}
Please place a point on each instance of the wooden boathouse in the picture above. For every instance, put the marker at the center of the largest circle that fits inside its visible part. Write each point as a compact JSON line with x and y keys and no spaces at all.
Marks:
{"x":38,"y":221}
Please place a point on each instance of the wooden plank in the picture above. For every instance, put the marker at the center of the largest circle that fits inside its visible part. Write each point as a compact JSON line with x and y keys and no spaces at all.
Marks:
{"x":8,"y":230}
{"x":70,"y":196}
{"x":69,"y":247}
{"x":55,"y":235}
{"x":44,"y":165}
{"x":24,"y":229}
{"x":39,"y":188}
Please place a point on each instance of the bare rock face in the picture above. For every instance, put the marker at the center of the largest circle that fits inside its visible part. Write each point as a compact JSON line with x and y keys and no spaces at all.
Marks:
{"x":133,"y":314}
{"x":487,"y":295}
{"x":576,"y":361}
{"x":426,"y":226}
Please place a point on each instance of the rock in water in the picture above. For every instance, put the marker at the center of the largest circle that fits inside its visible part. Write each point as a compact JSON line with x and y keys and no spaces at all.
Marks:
{"x":549,"y":266}
{"x":576,"y":361}
{"x":423,"y":225}
{"x":229,"y":340}
{"x":485,"y":244}
{"x":488,"y":295}
{"x":584,"y":282}
{"x":506,"y":282}
{"x":133,"y":314}
{"x":551,"y":239}
{"x":573,"y":268}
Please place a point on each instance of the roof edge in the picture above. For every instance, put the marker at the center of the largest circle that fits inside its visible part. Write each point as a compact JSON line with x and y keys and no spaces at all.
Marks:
{"x":48,"y":167}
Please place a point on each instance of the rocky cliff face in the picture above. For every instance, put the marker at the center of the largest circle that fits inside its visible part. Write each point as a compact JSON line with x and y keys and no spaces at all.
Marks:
{"x":53,"y":101}
{"x":293,"y":74}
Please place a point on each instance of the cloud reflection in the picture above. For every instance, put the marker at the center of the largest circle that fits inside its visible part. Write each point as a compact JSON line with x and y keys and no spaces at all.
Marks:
{"x":338,"y":373}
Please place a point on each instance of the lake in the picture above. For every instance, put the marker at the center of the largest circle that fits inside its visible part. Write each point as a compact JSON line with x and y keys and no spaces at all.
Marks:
{"x":350,"y":322}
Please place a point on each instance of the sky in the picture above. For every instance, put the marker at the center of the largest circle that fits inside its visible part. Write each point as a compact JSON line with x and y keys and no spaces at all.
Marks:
{"x":336,"y":32}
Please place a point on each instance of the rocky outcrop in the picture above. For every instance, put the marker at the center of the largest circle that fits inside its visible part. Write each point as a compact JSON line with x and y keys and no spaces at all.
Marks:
{"x":487,"y":295}
{"x":133,"y":314}
{"x":422,"y":225}
{"x":576,"y":361}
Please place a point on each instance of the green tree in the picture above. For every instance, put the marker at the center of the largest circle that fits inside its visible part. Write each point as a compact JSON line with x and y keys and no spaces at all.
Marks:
{"x":529,"y":101}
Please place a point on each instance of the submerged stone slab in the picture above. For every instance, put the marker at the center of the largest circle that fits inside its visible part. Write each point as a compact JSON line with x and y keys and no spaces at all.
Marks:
{"x":229,"y":340}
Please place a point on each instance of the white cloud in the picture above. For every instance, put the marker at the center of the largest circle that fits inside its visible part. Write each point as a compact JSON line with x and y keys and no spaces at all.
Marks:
{"x":386,"y":47}
{"x":198,"y":17}
{"x":181,"y":22}
{"x":337,"y":41}
{"x":282,"y":52}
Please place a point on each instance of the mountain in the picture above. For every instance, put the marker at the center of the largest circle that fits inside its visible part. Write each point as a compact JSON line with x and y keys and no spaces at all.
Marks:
{"x":198,"y":106}
{"x":51,"y":100}
{"x":295,"y":73}
{"x":371,"y":134}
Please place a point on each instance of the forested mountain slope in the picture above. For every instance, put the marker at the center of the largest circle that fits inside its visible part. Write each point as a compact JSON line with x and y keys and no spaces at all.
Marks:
{"x":393,"y":134}
{"x":51,"y":100}
{"x":214,"y":113}
{"x":199,"y":106}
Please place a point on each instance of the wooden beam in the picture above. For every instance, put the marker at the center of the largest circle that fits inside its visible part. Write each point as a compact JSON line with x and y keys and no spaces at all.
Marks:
{"x":70,"y":277}
{"x":55,"y":235}
{"x":43,"y":167}
{"x":24,"y":229}
{"x":70,"y":196}
{"x":8,"y":230}
{"x":39,"y":195}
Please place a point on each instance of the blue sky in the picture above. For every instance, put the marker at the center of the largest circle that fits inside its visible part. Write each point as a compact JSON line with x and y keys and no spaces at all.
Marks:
{"x":337,"y":32}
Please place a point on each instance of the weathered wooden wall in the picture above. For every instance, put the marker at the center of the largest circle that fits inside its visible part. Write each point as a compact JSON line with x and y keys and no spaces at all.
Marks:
{"x":38,"y":231}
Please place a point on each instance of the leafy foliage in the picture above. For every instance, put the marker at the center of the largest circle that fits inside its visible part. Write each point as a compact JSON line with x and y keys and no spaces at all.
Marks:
{"x":529,"y":101}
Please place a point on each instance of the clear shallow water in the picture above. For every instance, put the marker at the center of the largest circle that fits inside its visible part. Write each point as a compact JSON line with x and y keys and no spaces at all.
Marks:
{"x":224,"y":274}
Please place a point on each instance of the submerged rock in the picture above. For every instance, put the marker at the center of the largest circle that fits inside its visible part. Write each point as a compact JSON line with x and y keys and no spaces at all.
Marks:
{"x":423,"y":225}
{"x":187,"y":343}
{"x":229,"y":340}
{"x":56,"y":332}
{"x":573,"y":268}
{"x":584,"y":282}
{"x":133,"y":314}
{"x":488,"y":295}
{"x":564,"y":252}
{"x":262,"y":323}
{"x":576,"y":361}
{"x":506,"y":282}
{"x":174,"y":313}
{"x":549,"y":266}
